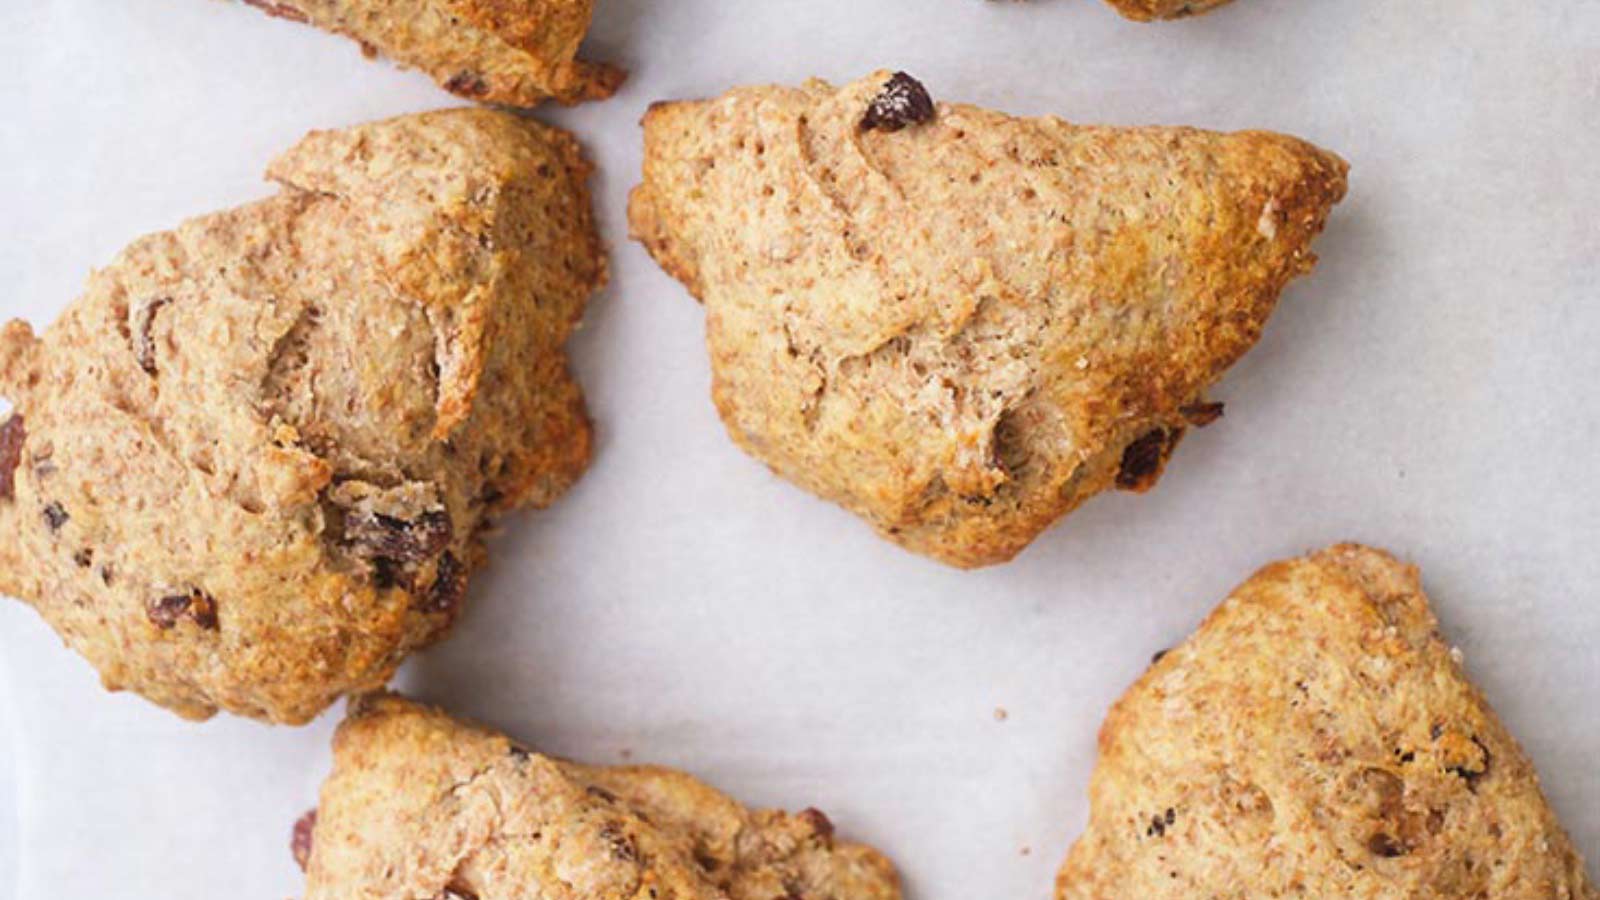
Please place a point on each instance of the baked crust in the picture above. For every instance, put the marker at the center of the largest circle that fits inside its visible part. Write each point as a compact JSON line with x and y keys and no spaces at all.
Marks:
{"x":963,"y":328}
{"x":1316,"y":737}
{"x":421,"y":805}
{"x":513,"y":52}
{"x":260,"y":449}
{"x":1149,"y":10}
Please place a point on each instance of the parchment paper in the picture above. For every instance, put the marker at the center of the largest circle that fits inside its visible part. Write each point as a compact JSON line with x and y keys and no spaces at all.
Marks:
{"x":1434,"y":388}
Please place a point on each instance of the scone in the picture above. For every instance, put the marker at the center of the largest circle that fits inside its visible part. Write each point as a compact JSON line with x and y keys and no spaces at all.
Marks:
{"x":248,"y":469}
{"x":959,"y":324}
{"x":1317,"y":738}
{"x":420,"y":805}
{"x":514,"y":52}
{"x":1148,"y":10}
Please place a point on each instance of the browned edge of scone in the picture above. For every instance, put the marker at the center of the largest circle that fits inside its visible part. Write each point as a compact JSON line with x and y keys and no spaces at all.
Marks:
{"x":490,"y":51}
{"x":1269,"y":195}
{"x":350,"y":380}
{"x":1316,"y":735}
{"x":422,"y":804}
{"x":1164,"y":10}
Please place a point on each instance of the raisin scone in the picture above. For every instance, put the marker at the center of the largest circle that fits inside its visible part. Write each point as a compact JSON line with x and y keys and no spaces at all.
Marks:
{"x":959,"y":324}
{"x":1317,"y":738}
{"x":1150,"y":10}
{"x":248,"y":469}
{"x":513,"y":52}
{"x":421,"y":805}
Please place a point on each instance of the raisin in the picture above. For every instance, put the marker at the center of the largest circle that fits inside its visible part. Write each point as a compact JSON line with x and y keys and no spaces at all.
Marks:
{"x":281,"y":10}
{"x":1201,"y":414}
{"x":12,"y":435}
{"x":378,"y":536}
{"x":55,"y":516}
{"x":903,"y":101}
{"x":594,"y":790}
{"x":386,"y":573}
{"x":84,"y":558}
{"x":200,"y":607}
{"x":1142,"y":460}
{"x":1158,"y":827}
{"x":300,"y":839}
{"x":144,"y":342}
{"x":1385,"y":845}
{"x":166,"y":611}
{"x":203,"y":610}
{"x":1158,"y":656}
{"x":449,"y":586}
{"x":820,"y":824}
{"x":467,"y":84}
{"x":621,"y":844}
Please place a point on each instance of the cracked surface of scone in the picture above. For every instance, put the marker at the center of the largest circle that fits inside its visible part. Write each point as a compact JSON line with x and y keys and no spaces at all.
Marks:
{"x":421,"y":805}
{"x":248,"y":468}
{"x":513,"y":52}
{"x":960,"y":324}
{"x":1316,"y":737}
{"x":1149,"y":10}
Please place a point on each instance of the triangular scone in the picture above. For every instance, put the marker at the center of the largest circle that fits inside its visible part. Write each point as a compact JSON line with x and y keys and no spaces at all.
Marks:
{"x":514,"y":52}
{"x":1316,"y":738}
{"x":249,"y":466}
{"x":960,"y":324}
{"x":421,"y":805}
{"x":1147,"y":10}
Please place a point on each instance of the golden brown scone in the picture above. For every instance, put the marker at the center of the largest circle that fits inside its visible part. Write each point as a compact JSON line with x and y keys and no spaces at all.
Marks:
{"x":1148,"y":10}
{"x":515,"y":52}
{"x":959,"y":324}
{"x":249,"y":466}
{"x":1316,"y":738}
{"x":421,"y":805}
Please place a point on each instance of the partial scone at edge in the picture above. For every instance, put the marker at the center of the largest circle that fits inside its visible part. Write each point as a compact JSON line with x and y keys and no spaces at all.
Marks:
{"x":1316,"y":737}
{"x":421,"y":805}
{"x":1149,"y":10}
{"x":250,"y":465}
{"x":959,"y":324}
{"x":513,"y":52}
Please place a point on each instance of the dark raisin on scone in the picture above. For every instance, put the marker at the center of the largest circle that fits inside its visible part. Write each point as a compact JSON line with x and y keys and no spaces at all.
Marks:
{"x":422,"y":805}
{"x":250,"y":466}
{"x":512,"y":52}
{"x":1316,"y":737}
{"x":959,"y":324}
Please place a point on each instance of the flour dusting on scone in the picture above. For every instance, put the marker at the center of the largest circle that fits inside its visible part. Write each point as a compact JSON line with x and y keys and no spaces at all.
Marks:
{"x":421,"y":805}
{"x":956,"y":323}
{"x":513,"y":52}
{"x":1317,"y":738}
{"x":248,"y":469}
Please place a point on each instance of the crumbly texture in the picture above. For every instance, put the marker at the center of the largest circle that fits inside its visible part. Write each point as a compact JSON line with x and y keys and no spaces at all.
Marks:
{"x":960,"y":324}
{"x":253,"y":461}
{"x":1149,"y":10}
{"x":420,"y":805}
{"x":513,"y":52}
{"x":1317,"y":738}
